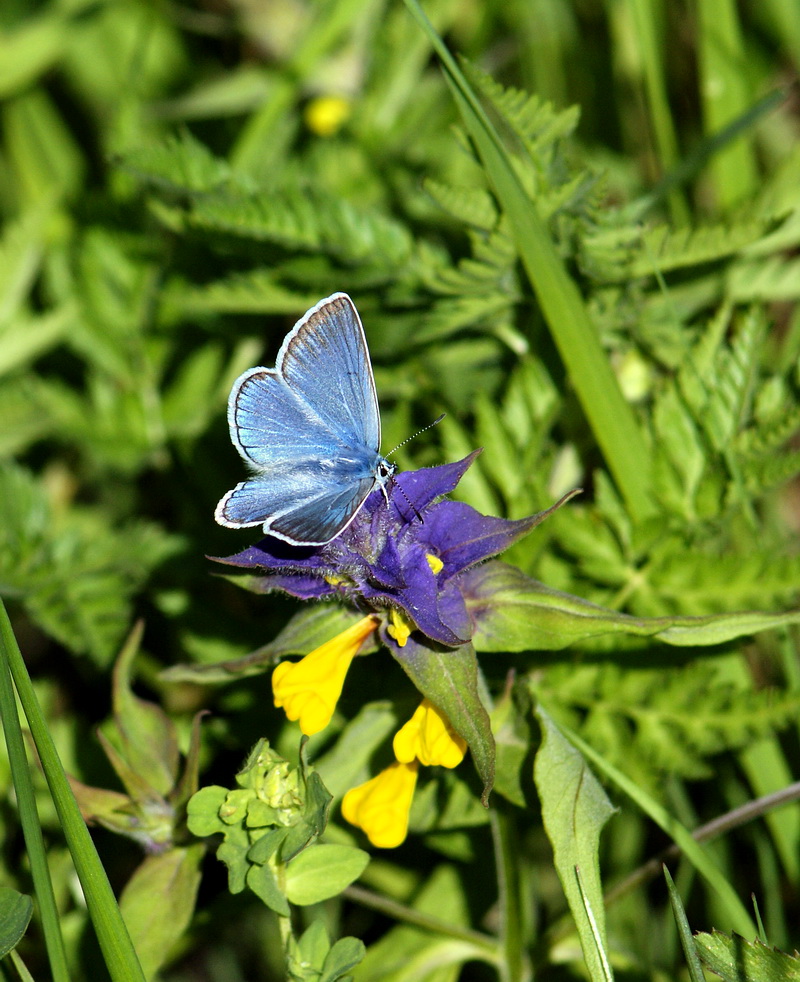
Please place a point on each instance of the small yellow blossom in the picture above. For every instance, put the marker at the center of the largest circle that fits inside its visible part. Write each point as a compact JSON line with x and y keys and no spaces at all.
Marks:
{"x":435,"y":563}
{"x":326,"y":114}
{"x":381,"y":806}
{"x":430,"y":738}
{"x":308,"y":690}
{"x":399,"y":627}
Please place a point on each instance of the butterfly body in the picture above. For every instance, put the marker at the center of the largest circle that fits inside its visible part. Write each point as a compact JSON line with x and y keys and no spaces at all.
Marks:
{"x":309,"y":430}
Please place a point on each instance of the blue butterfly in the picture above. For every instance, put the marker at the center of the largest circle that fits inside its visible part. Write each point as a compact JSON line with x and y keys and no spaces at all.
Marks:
{"x":310,"y":431}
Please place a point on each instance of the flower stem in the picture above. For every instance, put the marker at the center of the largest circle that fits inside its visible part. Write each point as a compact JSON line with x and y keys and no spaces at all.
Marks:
{"x":514,"y":966}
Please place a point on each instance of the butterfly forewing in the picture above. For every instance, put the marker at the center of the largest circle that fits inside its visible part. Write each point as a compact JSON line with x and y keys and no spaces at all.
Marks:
{"x":326,"y":362}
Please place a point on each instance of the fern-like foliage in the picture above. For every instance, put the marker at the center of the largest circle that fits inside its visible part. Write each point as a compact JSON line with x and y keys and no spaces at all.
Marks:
{"x":655,"y":721}
{"x":73,"y":578}
{"x":204,"y":194}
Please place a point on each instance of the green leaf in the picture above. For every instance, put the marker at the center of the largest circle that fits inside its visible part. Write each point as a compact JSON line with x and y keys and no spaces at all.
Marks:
{"x":173,"y":877}
{"x":515,"y":613}
{"x":342,"y":958}
{"x":737,"y":960}
{"x":449,"y":678}
{"x":202,"y":812}
{"x":15,"y":914}
{"x":610,"y":417}
{"x":574,"y":810}
{"x":147,"y":735}
{"x":734,"y":908}
{"x":347,"y":763}
{"x":261,"y":880}
{"x":323,"y":871}
{"x":30,"y":50}
{"x":307,"y":954}
{"x":307,"y":630}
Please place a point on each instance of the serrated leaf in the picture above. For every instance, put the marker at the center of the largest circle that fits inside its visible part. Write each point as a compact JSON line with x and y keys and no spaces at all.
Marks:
{"x":736,"y":960}
{"x":181,"y":163}
{"x":469,"y":204}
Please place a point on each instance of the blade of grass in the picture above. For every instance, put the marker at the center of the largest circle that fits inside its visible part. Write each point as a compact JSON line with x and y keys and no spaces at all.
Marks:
{"x":31,"y":827}
{"x":115,"y":943}
{"x":684,"y":931}
{"x":725,"y":91}
{"x":611,"y":418}
{"x":648,"y":31}
{"x":740,"y":920}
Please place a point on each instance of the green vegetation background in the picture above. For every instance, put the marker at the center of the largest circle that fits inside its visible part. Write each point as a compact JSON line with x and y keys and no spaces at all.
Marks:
{"x":179,"y":183}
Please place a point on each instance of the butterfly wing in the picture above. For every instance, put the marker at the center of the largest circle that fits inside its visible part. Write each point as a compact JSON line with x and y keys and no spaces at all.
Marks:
{"x":325,"y":360}
{"x":309,"y":428}
{"x":312,"y":519}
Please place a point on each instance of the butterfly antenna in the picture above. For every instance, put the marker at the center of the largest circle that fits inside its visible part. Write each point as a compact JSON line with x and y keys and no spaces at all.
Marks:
{"x":413,"y":436}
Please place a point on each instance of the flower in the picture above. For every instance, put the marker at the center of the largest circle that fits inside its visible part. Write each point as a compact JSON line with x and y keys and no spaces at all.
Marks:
{"x":381,"y":806}
{"x":407,"y":554}
{"x":308,"y":690}
{"x":429,"y":737}
{"x":416,"y":564}
{"x":326,"y":114}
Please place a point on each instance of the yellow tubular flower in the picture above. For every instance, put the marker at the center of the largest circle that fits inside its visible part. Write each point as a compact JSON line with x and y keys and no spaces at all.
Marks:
{"x":381,"y":806}
{"x":430,"y":738}
{"x":308,"y":690}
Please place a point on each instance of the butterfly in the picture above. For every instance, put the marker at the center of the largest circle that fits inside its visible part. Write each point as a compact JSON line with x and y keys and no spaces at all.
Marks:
{"x":310,"y":431}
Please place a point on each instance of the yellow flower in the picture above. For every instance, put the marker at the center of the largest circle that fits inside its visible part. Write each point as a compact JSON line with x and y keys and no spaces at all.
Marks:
{"x":381,"y":806}
{"x":430,"y":738}
{"x":308,"y":690}
{"x":325,"y":114}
